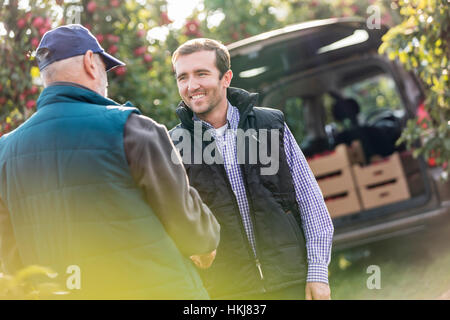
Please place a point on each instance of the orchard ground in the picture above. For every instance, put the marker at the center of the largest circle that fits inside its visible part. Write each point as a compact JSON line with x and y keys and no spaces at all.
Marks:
{"x":415,"y":266}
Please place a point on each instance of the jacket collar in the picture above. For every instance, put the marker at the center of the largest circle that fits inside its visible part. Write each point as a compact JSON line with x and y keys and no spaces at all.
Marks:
{"x":243,"y":100}
{"x":70,"y":93}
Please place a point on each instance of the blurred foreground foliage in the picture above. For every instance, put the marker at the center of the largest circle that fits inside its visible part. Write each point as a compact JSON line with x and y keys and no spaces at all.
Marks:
{"x":32,"y":282}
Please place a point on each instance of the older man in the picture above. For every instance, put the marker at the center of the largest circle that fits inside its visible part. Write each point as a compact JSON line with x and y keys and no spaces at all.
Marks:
{"x":86,"y":182}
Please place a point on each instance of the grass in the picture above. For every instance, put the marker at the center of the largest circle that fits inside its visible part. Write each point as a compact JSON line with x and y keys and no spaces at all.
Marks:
{"x":416,"y":266}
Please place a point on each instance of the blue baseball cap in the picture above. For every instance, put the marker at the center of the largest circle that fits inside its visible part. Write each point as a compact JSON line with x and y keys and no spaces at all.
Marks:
{"x":69,"y":41}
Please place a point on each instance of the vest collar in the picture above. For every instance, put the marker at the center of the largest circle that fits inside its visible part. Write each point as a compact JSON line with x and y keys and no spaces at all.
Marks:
{"x":70,"y":93}
{"x":241,"y":99}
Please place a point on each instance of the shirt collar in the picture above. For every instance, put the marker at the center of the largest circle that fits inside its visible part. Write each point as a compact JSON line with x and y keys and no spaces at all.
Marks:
{"x":232,"y":117}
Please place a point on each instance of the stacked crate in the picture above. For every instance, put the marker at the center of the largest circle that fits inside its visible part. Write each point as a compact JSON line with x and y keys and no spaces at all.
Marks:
{"x":334,"y":175}
{"x":382,"y":183}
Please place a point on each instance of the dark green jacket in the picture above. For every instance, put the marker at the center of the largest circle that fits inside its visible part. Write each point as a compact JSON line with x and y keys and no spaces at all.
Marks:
{"x":72,"y":201}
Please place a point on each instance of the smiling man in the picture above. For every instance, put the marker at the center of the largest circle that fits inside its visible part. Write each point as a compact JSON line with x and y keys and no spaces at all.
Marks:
{"x":204,"y":96}
{"x":276,"y":232}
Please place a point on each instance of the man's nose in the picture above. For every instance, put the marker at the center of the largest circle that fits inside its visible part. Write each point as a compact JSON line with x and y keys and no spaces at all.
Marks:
{"x":193,"y":84}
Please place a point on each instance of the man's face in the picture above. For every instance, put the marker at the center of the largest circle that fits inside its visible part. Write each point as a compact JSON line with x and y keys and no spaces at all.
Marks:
{"x":198,"y":82}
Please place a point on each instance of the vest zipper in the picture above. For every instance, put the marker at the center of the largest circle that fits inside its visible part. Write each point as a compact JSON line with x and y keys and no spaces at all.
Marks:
{"x":258,"y":265}
{"x":250,"y":250}
{"x":252,"y":218}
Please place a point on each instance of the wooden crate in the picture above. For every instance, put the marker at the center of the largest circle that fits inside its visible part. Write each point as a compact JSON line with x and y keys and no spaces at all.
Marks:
{"x":337,"y":183}
{"x":345,"y":204}
{"x":342,"y":157}
{"x":376,"y":196}
{"x":388,"y":169}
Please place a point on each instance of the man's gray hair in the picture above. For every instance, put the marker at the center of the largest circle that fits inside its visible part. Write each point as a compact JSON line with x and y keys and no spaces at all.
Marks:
{"x":61,"y":67}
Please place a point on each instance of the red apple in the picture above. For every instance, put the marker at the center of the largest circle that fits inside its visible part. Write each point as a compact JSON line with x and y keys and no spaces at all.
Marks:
{"x":112,"y":38}
{"x":192,"y":28}
{"x":148,"y":58}
{"x":432,"y":162}
{"x":114,"y":3}
{"x":120,"y":71}
{"x":42,"y":31}
{"x":140,"y":33}
{"x":113,"y":49}
{"x":140,"y":51}
{"x":38,"y":22}
{"x":35,"y":42}
{"x":100,"y":38}
{"x":30,"y":104}
{"x":91,"y":6}
{"x":48,"y":23}
{"x":34,"y":90}
{"x":2,"y":100}
{"x":165,"y":18}
{"x":21,"y":23}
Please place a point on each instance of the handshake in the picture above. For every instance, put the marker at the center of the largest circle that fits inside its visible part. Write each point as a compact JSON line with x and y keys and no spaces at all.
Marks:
{"x":204,"y":261}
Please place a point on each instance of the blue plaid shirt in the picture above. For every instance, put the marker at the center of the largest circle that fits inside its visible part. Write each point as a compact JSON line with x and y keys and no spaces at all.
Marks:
{"x":317,"y":224}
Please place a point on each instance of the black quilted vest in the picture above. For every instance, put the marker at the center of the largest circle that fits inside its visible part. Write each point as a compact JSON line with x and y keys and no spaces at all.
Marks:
{"x":280,"y":243}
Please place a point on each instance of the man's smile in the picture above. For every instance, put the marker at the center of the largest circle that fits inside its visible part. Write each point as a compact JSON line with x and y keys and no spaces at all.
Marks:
{"x":197,"y":96}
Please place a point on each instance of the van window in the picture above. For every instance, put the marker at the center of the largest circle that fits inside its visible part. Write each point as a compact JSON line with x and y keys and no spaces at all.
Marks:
{"x":311,"y":115}
{"x":369,"y":110}
{"x":379,"y":92}
{"x":294,"y":116}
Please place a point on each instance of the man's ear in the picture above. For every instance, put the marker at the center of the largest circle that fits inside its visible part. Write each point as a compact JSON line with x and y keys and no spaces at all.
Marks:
{"x":89,"y":64}
{"x":227,"y":76}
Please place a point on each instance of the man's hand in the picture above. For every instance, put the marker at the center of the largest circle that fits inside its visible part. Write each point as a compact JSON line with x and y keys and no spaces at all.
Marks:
{"x":317,"y":291}
{"x":204,"y":261}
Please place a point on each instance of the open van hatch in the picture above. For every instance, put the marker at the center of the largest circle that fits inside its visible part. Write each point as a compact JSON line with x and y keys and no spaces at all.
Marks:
{"x":293,"y":49}
{"x":336,"y":92}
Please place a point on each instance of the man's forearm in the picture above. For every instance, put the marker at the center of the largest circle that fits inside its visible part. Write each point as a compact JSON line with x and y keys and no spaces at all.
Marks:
{"x":179,"y":207}
{"x":317,"y":223}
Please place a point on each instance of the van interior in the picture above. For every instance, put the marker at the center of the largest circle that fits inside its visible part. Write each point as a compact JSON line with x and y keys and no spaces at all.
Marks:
{"x":347,"y":101}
